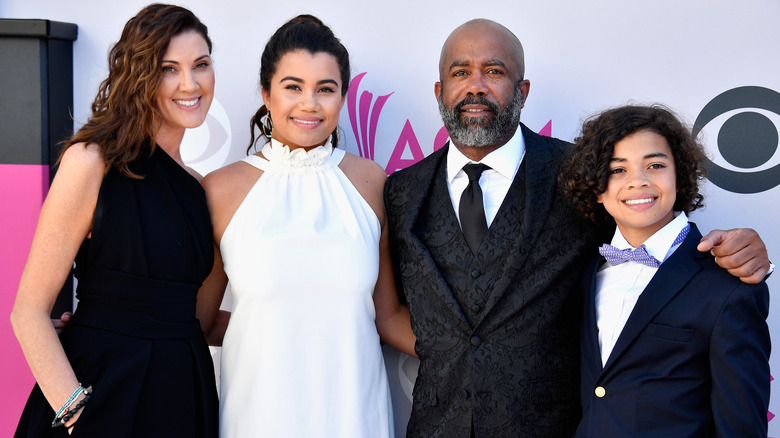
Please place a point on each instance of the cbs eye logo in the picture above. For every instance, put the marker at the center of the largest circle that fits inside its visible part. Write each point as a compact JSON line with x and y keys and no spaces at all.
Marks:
{"x":747,"y":139}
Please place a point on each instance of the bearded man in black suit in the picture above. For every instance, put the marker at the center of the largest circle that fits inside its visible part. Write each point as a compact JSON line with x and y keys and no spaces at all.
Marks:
{"x":487,"y":257}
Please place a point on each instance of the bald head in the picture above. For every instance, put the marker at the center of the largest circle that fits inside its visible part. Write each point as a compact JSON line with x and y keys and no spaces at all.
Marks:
{"x":481,"y":87}
{"x":482,"y":32}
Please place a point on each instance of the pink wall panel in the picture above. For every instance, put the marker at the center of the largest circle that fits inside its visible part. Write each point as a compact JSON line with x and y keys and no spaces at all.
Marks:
{"x":22,"y":190}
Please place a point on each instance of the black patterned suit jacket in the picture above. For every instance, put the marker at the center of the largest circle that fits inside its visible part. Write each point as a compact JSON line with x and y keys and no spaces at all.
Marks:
{"x":497,"y":332}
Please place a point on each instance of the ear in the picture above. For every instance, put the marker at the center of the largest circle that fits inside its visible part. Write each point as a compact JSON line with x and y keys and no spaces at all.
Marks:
{"x":437,"y":90}
{"x":266,"y":95}
{"x":525,"y":87}
{"x":599,"y":198}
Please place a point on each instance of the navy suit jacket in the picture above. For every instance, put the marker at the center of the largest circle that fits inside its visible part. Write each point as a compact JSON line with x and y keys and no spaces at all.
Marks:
{"x":692,"y":360}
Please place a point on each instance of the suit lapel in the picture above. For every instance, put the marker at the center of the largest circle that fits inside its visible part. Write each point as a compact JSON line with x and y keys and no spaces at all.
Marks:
{"x":671,"y":277}
{"x":521,"y":219}
{"x":433,"y":223}
{"x":591,"y":353}
{"x":418,"y":187}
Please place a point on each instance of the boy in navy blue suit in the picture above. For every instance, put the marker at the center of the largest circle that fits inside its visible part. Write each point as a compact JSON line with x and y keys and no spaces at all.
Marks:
{"x":672,"y":345}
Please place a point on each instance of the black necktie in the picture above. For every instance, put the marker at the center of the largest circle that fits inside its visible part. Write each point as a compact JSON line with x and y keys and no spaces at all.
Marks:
{"x":472,"y":210}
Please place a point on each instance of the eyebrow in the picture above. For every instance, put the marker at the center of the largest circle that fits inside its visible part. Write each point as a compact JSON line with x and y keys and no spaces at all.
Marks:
{"x":648,"y":156}
{"x":489,"y":62}
{"x":177,"y":62}
{"x":299,"y":80}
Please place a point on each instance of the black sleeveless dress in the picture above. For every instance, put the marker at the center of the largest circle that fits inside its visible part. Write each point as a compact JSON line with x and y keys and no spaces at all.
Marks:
{"x":134,"y":336}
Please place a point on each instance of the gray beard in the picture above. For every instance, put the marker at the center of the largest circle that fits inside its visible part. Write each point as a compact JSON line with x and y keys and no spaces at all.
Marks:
{"x":473,"y":132}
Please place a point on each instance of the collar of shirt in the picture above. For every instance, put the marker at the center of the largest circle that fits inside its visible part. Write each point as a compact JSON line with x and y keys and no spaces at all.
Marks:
{"x":618,"y":287}
{"x":504,"y":160}
{"x":659,"y":245}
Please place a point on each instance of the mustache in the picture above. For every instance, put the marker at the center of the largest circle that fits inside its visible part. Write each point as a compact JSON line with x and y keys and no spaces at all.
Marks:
{"x":475,"y":100}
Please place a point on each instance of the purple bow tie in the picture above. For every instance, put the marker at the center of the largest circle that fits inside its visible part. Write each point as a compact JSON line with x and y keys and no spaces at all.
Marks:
{"x":617,"y":256}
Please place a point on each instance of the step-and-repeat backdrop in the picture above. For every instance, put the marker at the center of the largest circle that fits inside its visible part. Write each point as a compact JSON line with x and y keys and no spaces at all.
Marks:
{"x":715,"y":62}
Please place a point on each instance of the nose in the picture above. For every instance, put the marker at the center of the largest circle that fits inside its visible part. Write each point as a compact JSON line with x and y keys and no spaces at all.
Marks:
{"x":476,"y":85}
{"x":638,"y":179}
{"x":309,"y":101}
{"x":187,"y":81}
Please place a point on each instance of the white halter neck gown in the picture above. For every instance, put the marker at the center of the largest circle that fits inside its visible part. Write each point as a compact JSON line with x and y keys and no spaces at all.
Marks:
{"x":301,"y":356}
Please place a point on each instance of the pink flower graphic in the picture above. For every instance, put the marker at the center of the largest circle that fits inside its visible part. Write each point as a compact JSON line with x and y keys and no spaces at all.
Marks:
{"x":364,"y":126}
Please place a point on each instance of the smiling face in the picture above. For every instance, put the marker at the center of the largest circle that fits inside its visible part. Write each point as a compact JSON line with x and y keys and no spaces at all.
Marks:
{"x":642,"y":188}
{"x":481,"y":89}
{"x":187,"y":85}
{"x":305,"y":98}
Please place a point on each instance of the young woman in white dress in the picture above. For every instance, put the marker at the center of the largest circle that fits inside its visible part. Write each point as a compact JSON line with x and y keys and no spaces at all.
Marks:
{"x":300,"y":229}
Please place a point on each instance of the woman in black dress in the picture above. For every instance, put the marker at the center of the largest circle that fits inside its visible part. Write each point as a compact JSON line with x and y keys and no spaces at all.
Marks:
{"x":133,"y":361}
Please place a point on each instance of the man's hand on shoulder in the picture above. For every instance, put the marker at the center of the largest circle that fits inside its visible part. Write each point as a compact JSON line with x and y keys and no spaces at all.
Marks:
{"x":740,"y":251}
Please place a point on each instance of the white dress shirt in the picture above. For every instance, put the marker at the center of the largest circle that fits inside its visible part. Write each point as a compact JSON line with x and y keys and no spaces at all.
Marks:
{"x":494,"y":182}
{"x":618,"y":287}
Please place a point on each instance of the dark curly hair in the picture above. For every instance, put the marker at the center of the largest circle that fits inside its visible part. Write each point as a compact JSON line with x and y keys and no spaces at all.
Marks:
{"x":304,"y":32}
{"x":585,"y":173}
{"x":125,"y":113}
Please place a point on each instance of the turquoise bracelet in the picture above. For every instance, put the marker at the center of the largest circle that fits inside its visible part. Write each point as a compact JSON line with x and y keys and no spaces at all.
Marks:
{"x":64,"y":410}
{"x":69,"y":402}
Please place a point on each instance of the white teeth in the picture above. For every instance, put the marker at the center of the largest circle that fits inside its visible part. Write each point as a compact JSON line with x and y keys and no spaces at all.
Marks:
{"x":307,"y":122}
{"x":186,"y":102}
{"x":639,"y":201}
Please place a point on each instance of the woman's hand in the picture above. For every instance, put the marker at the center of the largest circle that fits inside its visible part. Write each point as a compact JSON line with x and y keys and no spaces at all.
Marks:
{"x":60,"y":324}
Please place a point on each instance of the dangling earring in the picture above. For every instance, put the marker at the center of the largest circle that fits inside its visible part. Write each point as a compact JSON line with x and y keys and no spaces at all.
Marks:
{"x":336,"y":133}
{"x":267,"y":126}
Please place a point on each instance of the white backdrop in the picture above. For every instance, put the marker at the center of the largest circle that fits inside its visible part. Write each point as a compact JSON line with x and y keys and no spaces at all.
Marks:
{"x":581,"y":57}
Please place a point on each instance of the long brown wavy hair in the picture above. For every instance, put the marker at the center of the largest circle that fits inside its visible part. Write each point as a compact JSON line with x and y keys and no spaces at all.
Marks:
{"x":125,"y":114}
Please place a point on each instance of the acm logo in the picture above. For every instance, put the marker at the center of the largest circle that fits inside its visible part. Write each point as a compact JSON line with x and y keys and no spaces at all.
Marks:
{"x":364,"y":114}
